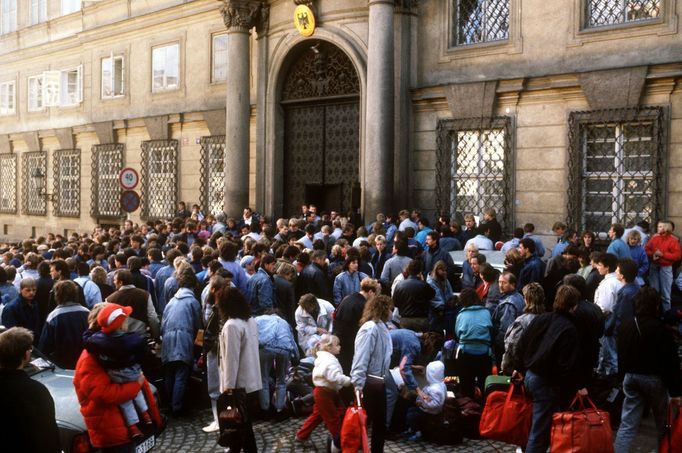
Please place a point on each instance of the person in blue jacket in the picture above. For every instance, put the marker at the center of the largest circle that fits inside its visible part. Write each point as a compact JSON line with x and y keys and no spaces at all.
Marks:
{"x":473,"y":331}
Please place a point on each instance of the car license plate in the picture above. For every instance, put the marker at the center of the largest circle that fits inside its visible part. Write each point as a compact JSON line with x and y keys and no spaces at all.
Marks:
{"x":146,"y":445}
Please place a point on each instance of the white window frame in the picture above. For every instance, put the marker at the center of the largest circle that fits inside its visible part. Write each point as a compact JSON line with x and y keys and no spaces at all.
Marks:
{"x":70,"y":6}
{"x":8,"y":98}
{"x":71,"y":86}
{"x":219,"y":63}
{"x":163,"y":74}
{"x":8,"y":16}
{"x":37,"y":11}
{"x":110,"y":76}
{"x":34,"y":93}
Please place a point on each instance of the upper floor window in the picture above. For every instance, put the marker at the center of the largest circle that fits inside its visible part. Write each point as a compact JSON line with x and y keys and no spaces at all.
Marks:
{"x":112,"y":77}
{"x":38,"y":11}
{"x":616,"y":167}
{"x":219,"y":58}
{"x":478,"y":21}
{"x":8,"y":16}
{"x":70,"y":6}
{"x":8,"y":99}
{"x":474,"y":167}
{"x":166,"y":67}
{"x":35,"y":93}
{"x":611,"y":12}
{"x":71,"y":87}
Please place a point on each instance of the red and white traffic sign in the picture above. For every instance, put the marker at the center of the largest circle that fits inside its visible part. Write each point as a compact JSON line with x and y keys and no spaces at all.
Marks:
{"x":128,"y":178}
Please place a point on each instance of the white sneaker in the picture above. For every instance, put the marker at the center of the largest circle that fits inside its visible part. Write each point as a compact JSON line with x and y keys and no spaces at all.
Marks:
{"x":213,"y":427}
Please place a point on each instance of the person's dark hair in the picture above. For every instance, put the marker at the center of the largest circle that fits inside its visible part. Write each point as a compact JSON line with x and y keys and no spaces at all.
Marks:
{"x":468,"y":297}
{"x":308,"y":302}
{"x":232,"y":304}
{"x":480,"y":258}
{"x":488,"y":273}
{"x":571,"y":250}
{"x":267,"y":259}
{"x":124,"y":276}
{"x":310,"y":229}
{"x":518,"y":233}
{"x":61,"y":267}
{"x":317,"y":255}
{"x":155,"y":254}
{"x":186,"y":278}
{"x":82,"y":268}
{"x":578,"y":282}
{"x":172,"y":254}
{"x":433,"y":234}
{"x":432,"y":342}
{"x":567,"y":297}
{"x":3,"y":275}
{"x":134,"y":263}
{"x":529,"y":244}
{"x":318,"y":244}
{"x":401,"y":247}
{"x":647,"y":302}
{"x":44,"y":269}
{"x":65,"y":291}
{"x":511,"y":278}
{"x":291,"y":252}
{"x":304,"y":259}
{"x":415,"y":267}
{"x":609,"y":260}
{"x":628,"y":269}
{"x":528,"y":228}
{"x":228,"y":251}
{"x":14,"y":343}
{"x":618,"y":229}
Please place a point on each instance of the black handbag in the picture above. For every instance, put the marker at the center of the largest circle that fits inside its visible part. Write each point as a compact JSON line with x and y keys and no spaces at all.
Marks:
{"x":232,"y":417}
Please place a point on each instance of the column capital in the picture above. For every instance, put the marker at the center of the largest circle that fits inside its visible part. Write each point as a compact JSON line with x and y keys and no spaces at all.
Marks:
{"x":406,"y":6}
{"x":243,"y":15}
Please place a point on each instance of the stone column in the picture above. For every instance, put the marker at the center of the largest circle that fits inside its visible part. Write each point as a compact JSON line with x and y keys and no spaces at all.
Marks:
{"x":240,"y":16}
{"x":379,"y":123}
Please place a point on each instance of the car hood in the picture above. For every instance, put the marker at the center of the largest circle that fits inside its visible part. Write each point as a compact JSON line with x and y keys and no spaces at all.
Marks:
{"x":59,"y":382}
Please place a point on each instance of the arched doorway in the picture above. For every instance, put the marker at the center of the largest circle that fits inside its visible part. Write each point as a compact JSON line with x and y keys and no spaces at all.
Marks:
{"x":321,"y":104}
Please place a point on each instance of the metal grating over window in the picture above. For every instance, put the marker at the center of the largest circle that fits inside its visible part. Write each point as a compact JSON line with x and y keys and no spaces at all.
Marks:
{"x":616,"y":167}
{"x":212,"y":173}
{"x":67,"y":183}
{"x":8,"y":188}
{"x":477,"y":21}
{"x":34,"y":199}
{"x":107,"y":162}
{"x":159,"y":178}
{"x":611,"y":12}
{"x":474,"y":167}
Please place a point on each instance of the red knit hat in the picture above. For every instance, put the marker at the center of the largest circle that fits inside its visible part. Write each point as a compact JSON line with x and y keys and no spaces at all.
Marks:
{"x":112,"y":316}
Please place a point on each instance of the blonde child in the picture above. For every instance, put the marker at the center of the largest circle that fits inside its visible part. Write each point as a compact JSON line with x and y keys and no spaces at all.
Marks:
{"x":328,"y":379}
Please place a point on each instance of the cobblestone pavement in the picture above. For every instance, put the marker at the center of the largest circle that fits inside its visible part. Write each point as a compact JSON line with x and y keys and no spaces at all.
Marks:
{"x":185,"y":435}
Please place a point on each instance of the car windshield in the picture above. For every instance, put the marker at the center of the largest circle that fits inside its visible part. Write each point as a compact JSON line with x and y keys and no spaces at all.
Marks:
{"x":38,"y":363}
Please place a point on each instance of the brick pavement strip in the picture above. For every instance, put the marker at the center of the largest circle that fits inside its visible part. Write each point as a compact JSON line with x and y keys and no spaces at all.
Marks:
{"x":185,"y":435}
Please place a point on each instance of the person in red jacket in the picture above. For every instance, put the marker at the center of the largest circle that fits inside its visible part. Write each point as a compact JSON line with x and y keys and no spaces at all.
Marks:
{"x":663,"y":249}
{"x":100,"y":398}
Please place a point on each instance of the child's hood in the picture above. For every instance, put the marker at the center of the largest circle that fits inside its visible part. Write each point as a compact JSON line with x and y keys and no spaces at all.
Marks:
{"x":435,"y":372}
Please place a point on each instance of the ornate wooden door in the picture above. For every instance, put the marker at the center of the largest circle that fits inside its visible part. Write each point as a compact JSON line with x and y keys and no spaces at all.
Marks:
{"x":322,"y":117}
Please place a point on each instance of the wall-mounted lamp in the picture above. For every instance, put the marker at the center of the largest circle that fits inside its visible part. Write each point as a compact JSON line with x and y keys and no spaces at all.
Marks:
{"x":39,"y":175}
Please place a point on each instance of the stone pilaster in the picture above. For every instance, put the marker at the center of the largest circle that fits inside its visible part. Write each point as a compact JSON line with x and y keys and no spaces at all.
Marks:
{"x":240,"y":16}
{"x":380,"y":122}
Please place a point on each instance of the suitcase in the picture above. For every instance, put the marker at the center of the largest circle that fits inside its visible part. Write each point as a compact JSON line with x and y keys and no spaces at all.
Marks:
{"x":496,"y":383}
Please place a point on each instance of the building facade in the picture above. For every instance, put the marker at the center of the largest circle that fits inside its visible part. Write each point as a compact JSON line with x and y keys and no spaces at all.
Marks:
{"x":569,"y":111}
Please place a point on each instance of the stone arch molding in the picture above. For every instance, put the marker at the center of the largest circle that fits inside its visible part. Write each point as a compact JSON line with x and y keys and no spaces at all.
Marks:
{"x":356,"y":51}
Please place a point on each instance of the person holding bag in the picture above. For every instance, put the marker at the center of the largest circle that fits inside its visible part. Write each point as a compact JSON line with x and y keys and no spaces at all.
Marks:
{"x":373,"y":348}
{"x":239,"y":364}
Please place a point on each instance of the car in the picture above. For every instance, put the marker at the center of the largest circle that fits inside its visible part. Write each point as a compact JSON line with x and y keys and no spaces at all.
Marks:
{"x":493,"y":257}
{"x":73,"y":433}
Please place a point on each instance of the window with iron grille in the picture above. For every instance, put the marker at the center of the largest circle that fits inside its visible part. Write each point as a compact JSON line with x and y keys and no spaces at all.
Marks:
{"x":212,"y":173}
{"x":107,"y":163}
{"x":599,"y":13}
{"x":35,"y":183}
{"x":159,"y":178}
{"x":477,"y":21}
{"x":616,"y":167}
{"x":8,"y":188}
{"x":67,"y":183}
{"x":474,"y":167}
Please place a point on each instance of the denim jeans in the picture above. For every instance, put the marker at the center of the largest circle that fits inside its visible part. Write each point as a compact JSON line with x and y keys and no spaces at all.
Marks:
{"x":545,"y":398}
{"x":280,"y":361}
{"x":213,"y":381}
{"x":392,"y":394}
{"x":661,"y":279}
{"x":176,"y":377}
{"x":640,"y":389}
{"x":608,"y":356}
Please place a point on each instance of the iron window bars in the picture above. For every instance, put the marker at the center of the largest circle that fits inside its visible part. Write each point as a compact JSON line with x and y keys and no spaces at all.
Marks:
{"x":599,"y":13}
{"x":67,"y":183}
{"x":34,"y":197}
{"x":8,"y":188}
{"x":107,"y":162}
{"x":212,"y":173}
{"x":159,"y":178}
{"x":474,"y":167}
{"x":616,"y":167}
{"x":477,"y":21}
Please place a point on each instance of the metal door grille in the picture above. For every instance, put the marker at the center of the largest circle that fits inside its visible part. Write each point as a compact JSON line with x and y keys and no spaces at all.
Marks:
{"x":611,"y":12}
{"x":159,"y":178}
{"x":477,"y":21}
{"x":67,"y":183}
{"x":8,"y":188}
{"x":474,"y":167}
{"x":616,"y":167}
{"x":212,"y":173}
{"x":34,"y":201}
{"x":107,"y":162}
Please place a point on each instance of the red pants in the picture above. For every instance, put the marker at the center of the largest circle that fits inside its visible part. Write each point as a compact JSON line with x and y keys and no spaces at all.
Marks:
{"x":328,"y":408}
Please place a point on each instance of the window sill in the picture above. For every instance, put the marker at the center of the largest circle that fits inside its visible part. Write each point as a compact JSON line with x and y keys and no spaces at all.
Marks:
{"x":508,"y":46}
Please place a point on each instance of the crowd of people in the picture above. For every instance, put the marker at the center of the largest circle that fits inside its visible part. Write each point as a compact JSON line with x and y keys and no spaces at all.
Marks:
{"x":300,"y":315}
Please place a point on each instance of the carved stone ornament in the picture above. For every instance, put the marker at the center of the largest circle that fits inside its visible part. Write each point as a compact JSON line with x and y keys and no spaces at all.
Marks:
{"x":406,"y":5}
{"x":244,"y":14}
